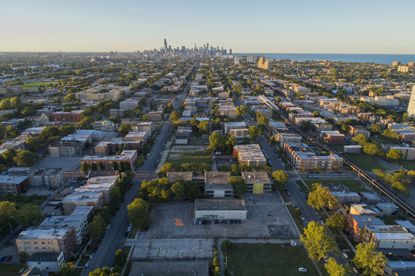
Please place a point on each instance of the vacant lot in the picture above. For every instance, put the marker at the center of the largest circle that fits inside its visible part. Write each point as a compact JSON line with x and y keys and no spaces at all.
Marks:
{"x":267,"y":218}
{"x":66,"y":163}
{"x":267,"y":259}
{"x":180,"y":155}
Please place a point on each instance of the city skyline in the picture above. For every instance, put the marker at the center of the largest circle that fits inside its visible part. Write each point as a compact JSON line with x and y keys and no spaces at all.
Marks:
{"x":246,"y":27}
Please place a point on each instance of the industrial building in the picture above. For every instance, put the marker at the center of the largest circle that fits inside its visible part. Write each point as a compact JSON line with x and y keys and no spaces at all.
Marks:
{"x":219,"y":210}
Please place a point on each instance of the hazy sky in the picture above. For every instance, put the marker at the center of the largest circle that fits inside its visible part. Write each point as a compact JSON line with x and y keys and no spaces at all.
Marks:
{"x":290,"y":26}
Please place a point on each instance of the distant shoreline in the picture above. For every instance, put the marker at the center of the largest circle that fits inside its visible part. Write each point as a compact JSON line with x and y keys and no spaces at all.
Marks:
{"x":361,"y":58}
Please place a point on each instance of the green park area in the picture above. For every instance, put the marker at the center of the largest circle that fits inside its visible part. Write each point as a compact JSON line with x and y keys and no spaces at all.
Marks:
{"x":266,"y":259}
{"x":187,"y":160}
{"x":365,"y":162}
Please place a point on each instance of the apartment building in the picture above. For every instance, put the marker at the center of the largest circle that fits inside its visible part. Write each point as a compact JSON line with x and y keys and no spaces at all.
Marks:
{"x":82,"y":198}
{"x":70,"y":116}
{"x":65,"y":149}
{"x":304,"y":159}
{"x":47,"y":240}
{"x":10,"y":184}
{"x":249,"y":155}
{"x":125,"y":158}
{"x":78,"y":220}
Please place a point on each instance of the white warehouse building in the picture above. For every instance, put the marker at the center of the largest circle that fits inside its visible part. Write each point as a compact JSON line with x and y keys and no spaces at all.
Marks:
{"x":224,"y":209}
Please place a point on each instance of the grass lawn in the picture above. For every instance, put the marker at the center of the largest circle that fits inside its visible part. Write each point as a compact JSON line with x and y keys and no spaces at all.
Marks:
{"x":407,"y":164}
{"x":267,"y":259}
{"x":198,"y":157}
{"x":36,"y":84}
{"x":364,"y":161}
{"x":353,"y":185}
{"x":11,"y":269}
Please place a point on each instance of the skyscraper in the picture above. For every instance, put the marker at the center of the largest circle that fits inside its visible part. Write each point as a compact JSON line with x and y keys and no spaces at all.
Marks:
{"x":411,"y":105}
{"x":165,"y":44}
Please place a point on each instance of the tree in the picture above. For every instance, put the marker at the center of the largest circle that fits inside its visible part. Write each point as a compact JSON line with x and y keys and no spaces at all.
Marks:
{"x":317,"y":241}
{"x":336,"y":221}
{"x":372,"y":149}
{"x":360,"y":139}
{"x":85,"y":122}
{"x":179,"y":190}
{"x":7,"y":212}
{"x":369,"y":260}
{"x":394,"y":154}
{"x":85,"y":167}
{"x":241,"y":110}
{"x":333,"y":268}
{"x":139,"y":213}
{"x":281,"y":178}
{"x":124,"y":128}
{"x":253,"y":132}
{"x":120,"y":258}
{"x":103,"y":271}
{"x":25,"y":158}
{"x":238,"y":185}
{"x":68,"y":269}
{"x":96,"y":227}
{"x":375,"y":128}
{"x":320,"y":197}
{"x":261,"y":119}
{"x":165,"y":168}
{"x":115,"y":197}
{"x":203,"y":127}
{"x":174,"y":117}
{"x":69,"y":98}
{"x":29,"y":214}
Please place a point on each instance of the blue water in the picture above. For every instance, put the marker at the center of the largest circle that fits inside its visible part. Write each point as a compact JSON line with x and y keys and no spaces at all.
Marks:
{"x":368,"y":58}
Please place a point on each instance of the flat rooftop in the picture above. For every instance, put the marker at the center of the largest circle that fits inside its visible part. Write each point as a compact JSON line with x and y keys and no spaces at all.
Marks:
{"x":172,"y":249}
{"x":171,"y":268}
{"x":220,"y":204}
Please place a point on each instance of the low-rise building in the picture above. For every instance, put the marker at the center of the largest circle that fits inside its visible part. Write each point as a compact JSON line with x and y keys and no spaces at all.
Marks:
{"x":217,"y":184}
{"x":389,"y":237}
{"x":71,"y":116}
{"x":49,"y":262}
{"x":82,"y":198}
{"x":249,"y":155}
{"x":126,"y":158}
{"x":257,"y":182}
{"x":65,"y":149}
{"x":10,"y":184}
{"x":219,"y":210}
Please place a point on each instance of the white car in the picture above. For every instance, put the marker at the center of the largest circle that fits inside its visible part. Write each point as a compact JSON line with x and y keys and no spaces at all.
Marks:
{"x":302,"y":269}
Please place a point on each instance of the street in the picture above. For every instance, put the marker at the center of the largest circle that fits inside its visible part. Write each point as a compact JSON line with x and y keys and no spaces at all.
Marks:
{"x":114,"y":237}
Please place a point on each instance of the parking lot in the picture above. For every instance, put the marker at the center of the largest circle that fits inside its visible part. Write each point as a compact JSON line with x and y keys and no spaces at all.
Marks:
{"x":66,"y":163}
{"x":267,"y":218}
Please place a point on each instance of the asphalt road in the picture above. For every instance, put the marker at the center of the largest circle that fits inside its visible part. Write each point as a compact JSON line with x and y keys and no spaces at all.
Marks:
{"x":114,"y":237}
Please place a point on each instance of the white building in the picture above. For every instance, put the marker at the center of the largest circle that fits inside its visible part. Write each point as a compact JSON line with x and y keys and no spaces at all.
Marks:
{"x":219,"y":209}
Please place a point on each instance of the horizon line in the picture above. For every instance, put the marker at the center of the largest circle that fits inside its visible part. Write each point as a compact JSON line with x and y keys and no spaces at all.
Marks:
{"x":234,"y":53}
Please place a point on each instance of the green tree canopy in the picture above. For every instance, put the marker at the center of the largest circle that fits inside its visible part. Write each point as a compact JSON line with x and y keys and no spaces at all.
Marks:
{"x":369,"y":260}
{"x":281,"y":178}
{"x":321,"y":197}
{"x":317,"y":241}
{"x":333,"y":268}
{"x":139,"y":213}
